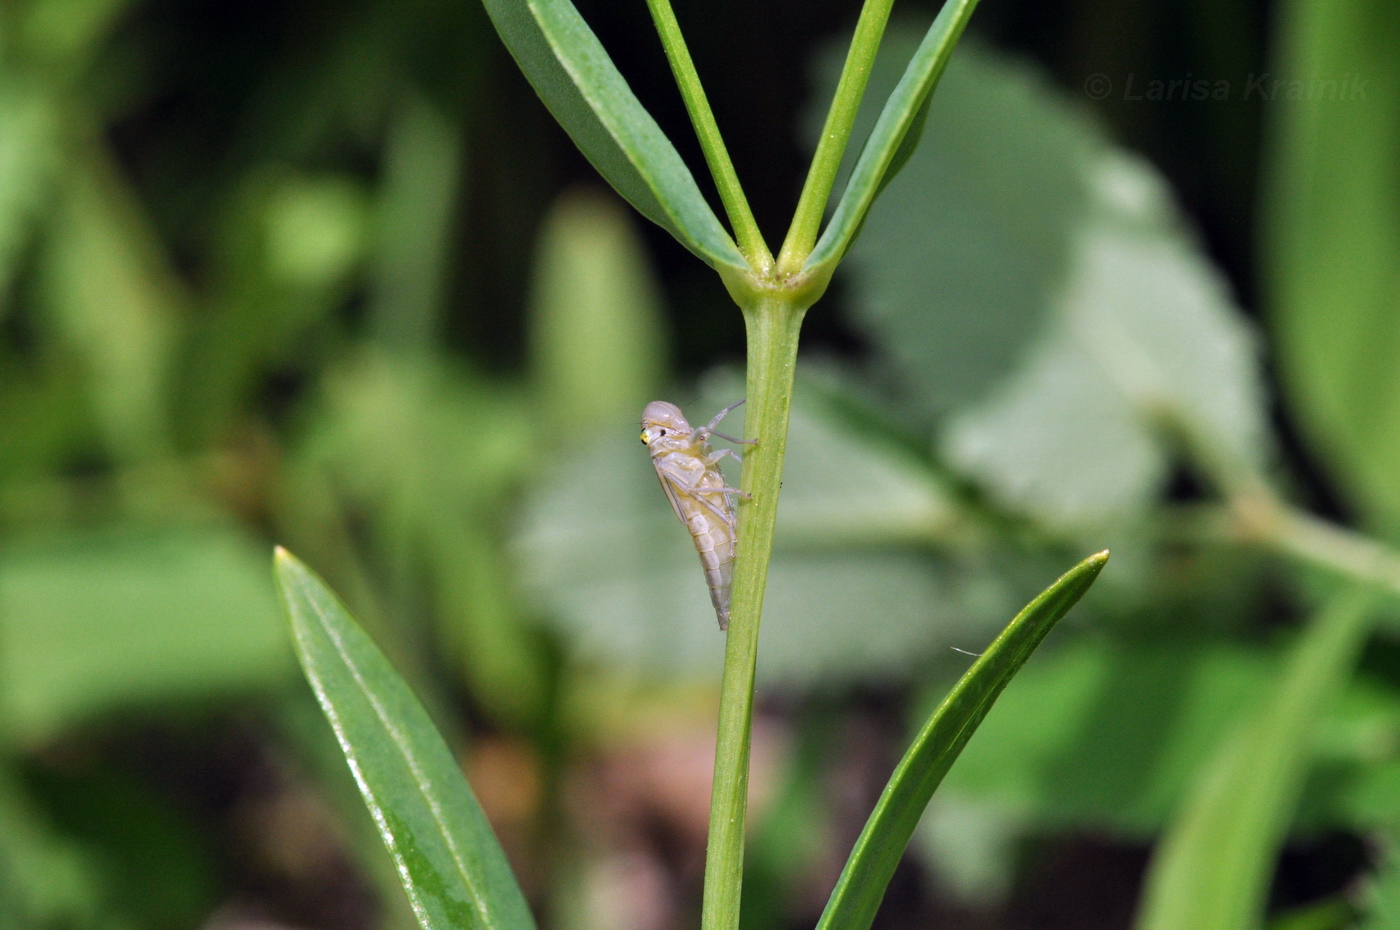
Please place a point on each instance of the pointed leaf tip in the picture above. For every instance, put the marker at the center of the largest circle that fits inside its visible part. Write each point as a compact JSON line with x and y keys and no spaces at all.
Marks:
{"x":447,"y":857}
{"x":857,"y":895}
{"x":1092,"y":565}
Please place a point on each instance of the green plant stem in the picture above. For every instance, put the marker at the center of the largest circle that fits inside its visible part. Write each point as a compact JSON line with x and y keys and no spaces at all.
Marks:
{"x":1260,"y":517}
{"x":836,"y":133}
{"x":1255,"y":514}
{"x":731,"y":193}
{"x":773,"y":325}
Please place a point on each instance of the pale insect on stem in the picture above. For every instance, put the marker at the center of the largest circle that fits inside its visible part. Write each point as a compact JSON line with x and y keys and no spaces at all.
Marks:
{"x":689,"y":474}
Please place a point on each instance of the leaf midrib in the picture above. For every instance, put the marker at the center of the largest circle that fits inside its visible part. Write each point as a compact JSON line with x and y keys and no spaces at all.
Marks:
{"x":400,"y":743}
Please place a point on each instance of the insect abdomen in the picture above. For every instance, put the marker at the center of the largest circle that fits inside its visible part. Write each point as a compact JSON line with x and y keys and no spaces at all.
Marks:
{"x":714,"y":540}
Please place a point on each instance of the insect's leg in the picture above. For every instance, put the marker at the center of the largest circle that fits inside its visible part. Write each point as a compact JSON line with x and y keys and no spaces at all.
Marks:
{"x":726,"y":489}
{"x":700,"y":494}
{"x":694,"y":489}
{"x":705,"y":432}
{"x":735,"y":491}
{"x":714,"y":508}
{"x":714,"y":457}
{"x":737,"y":442}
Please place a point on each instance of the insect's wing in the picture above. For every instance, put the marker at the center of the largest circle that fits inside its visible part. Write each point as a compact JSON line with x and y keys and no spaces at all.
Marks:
{"x":668,"y":484}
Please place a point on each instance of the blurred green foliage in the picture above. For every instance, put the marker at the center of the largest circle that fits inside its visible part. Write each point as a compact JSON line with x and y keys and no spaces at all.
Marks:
{"x":1333,"y":232}
{"x":328,"y":276}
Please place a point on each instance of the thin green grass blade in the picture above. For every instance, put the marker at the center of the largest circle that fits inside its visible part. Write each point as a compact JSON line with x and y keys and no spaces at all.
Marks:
{"x":862,"y":884}
{"x":896,"y":133}
{"x":447,"y":857}
{"x":579,"y":83}
{"x":1213,"y":869}
{"x":1332,"y":231}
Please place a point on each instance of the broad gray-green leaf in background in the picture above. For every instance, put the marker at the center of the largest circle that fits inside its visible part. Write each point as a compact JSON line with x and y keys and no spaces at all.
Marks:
{"x":131,"y":616}
{"x":848,"y":596}
{"x":1058,"y":442}
{"x":448,"y":859}
{"x":1333,"y":215}
{"x":574,"y":76}
{"x":956,"y":266}
{"x":1038,"y":284}
{"x":1144,"y":342}
{"x":844,"y":488}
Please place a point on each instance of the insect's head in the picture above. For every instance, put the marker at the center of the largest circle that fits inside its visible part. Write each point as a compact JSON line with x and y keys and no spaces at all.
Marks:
{"x":661,"y":420}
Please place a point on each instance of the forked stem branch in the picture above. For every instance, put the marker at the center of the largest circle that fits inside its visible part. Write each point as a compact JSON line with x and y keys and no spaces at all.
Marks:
{"x":836,"y":134}
{"x":731,"y":192}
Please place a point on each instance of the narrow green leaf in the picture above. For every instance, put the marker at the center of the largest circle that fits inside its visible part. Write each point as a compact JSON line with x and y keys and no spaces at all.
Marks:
{"x":45,"y":880}
{"x":596,"y":330}
{"x":414,"y":225}
{"x":907,"y":146}
{"x":30,"y":152}
{"x":1042,"y":286}
{"x":1334,"y":913}
{"x":448,"y":859}
{"x":1333,"y":230}
{"x":861,"y":886}
{"x":574,"y":76}
{"x":954,"y":274}
{"x":113,"y":296}
{"x":896,"y":133}
{"x":1212,"y":870}
{"x":1381,"y":902}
